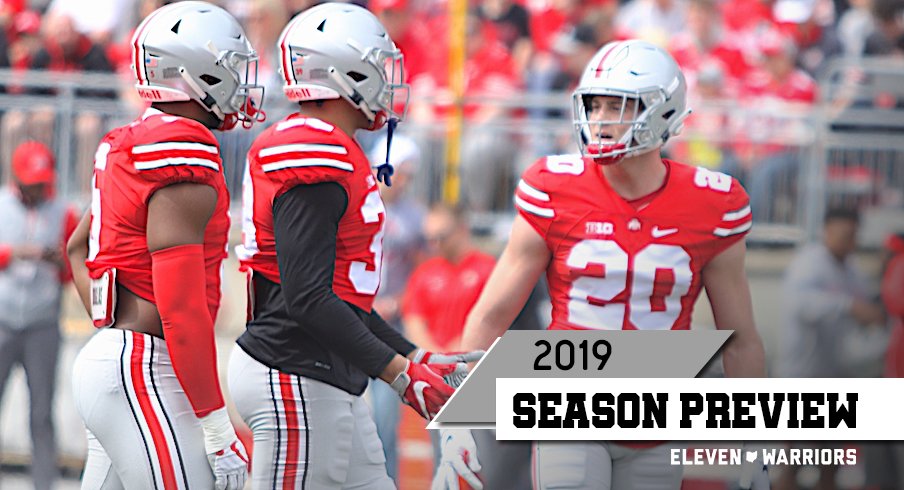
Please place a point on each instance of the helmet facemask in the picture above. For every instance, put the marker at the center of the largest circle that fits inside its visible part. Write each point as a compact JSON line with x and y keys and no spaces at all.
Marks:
{"x":652,"y":91}
{"x":594,"y":137}
{"x":245,"y":104}
{"x":393,"y":91}
{"x":249,"y":95}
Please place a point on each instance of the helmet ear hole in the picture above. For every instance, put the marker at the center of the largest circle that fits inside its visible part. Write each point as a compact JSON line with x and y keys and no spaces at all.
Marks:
{"x":210,"y":79}
{"x":357,"y":77}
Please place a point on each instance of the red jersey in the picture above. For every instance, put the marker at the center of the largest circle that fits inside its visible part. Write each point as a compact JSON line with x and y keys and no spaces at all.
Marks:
{"x":443,"y":293}
{"x":134,"y":161}
{"x":796,"y":87}
{"x":692,"y":57}
{"x":615,"y":267}
{"x":300,"y":150}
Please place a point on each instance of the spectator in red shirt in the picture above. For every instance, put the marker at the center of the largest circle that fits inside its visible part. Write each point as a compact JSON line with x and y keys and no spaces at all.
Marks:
{"x":511,"y":27}
{"x":781,"y":96}
{"x":778,"y":77}
{"x":410,"y":35}
{"x":742,"y":15}
{"x":442,"y":290}
{"x":704,"y":41}
{"x":25,"y":41}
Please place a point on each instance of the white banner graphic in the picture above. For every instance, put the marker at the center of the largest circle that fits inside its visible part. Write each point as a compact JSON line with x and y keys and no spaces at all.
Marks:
{"x":700,"y":409}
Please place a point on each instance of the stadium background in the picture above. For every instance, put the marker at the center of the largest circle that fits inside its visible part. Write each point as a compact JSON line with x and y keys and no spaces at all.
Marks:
{"x":800,"y":99}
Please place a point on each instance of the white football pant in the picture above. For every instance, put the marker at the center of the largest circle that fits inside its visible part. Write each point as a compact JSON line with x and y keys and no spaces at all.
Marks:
{"x":307,"y":434}
{"x":142,"y":431}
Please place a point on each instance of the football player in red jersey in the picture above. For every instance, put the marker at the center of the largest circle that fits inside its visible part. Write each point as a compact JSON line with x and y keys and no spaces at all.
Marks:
{"x":313,"y":233}
{"x":627,"y":240}
{"x":146,"y":261}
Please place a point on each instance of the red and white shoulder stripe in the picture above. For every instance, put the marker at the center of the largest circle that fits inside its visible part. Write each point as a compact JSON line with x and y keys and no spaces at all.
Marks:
{"x":734,"y":222}
{"x":301,"y":155}
{"x":530,"y":199}
{"x":175,"y":153}
{"x":304,"y":142}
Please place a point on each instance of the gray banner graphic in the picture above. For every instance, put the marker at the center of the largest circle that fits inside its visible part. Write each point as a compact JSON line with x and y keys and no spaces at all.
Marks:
{"x":633,"y":354}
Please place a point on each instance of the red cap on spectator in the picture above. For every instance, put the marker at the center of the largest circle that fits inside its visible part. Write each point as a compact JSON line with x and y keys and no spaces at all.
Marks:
{"x":378,"y":6}
{"x":27,"y":22}
{"x":33,"y":164}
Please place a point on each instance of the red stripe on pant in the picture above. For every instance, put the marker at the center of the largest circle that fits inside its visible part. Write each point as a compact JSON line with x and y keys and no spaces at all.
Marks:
{"x":292,"y":431}
{"x":150,"y":417}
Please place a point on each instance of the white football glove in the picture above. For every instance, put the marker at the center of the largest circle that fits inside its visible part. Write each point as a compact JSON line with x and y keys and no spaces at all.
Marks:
{"x":459,"y":459}
{"x":225,"y":452}
{"x":460,"y":359}
{"x":754,"y":472}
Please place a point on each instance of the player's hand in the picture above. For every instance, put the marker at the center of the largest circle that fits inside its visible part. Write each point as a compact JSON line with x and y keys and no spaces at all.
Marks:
{"x":230,"y":467}
{"x":225,"y":452}
{"x":459,"y":459}
{"x":422,"y":387}
{"x":754,"y":472}
{"x":456,"y":377}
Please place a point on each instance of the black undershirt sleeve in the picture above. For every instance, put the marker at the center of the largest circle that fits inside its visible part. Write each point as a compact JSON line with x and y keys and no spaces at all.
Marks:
{"x":390,"y":336}
{"x":305,"y":221}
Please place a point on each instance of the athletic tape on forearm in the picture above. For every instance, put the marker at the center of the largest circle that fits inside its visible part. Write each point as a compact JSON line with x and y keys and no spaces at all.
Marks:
{"x":218,"y":430}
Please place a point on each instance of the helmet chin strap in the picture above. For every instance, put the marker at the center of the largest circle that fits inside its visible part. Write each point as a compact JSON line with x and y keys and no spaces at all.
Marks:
{"x":385,"y":170}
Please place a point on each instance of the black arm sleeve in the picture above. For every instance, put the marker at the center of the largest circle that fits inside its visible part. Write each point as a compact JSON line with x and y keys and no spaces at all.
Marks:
{"x":390,"y":336}
{"x":305,"y":222}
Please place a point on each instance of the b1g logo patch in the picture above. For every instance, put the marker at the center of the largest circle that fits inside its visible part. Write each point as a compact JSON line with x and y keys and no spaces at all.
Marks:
{"x":599,"y":228}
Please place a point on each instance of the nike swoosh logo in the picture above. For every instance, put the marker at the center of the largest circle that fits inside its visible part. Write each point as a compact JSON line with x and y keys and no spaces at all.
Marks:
{"x":661,"y":232}
{"x":419,"y":387}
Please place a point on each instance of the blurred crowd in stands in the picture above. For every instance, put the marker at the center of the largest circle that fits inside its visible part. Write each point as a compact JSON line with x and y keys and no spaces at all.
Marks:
{"x":739,"y":49}
{"x":763,"y":56}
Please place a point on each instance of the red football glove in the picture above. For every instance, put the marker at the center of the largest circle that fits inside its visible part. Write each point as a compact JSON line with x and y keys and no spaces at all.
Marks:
{"x":459,"y":359}
{"x":422,"y":387}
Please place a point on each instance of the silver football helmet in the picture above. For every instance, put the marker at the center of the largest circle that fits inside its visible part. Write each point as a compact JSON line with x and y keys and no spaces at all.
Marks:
{"x":338,"y":50}
{"x":197,"y":51}
{"x":653,"y":93}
